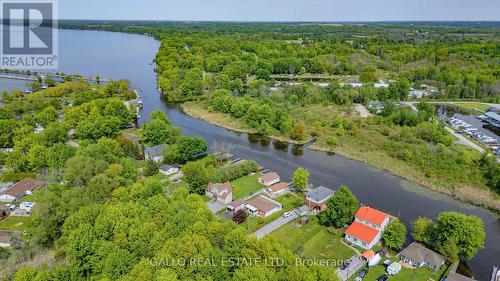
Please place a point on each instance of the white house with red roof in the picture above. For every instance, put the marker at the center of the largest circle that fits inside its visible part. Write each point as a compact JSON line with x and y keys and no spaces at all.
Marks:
{"x":367,"y":228}
{"x":372,"y":217}
{"x":223,"y":192}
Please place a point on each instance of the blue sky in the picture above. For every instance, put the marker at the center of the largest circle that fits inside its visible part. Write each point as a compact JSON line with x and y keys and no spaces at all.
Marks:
{"x":281,"y":10}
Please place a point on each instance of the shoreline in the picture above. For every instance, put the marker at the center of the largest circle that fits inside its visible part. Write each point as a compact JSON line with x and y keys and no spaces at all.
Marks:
{"x":462,"y":194}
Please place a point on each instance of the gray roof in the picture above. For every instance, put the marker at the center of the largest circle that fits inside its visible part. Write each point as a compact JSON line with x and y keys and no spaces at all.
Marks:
{"x":155,"y":151}
{"x":320,"y":194}
{"x":493,"y":115}
{"x":168,"y":167}
{"x":421,"y":254}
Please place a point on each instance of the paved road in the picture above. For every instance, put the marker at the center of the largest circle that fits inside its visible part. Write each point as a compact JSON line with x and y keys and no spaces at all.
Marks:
{"x":412,"y":103}
{"x":463,"y":140}
{"x":272,"y":226}
{"x":356,"y":264}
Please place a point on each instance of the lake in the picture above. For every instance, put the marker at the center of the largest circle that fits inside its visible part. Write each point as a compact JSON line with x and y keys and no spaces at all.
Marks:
{"x":128,"y":56}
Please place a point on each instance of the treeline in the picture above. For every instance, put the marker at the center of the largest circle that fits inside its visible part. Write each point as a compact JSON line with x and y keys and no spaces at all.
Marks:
{"x":190,"y":65}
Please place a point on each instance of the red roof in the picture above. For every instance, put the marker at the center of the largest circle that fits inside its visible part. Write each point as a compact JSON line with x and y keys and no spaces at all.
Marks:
{"x":371,"y":215}
{"x":368,"y":254}
{"x":362,"y":232}
{"x":279,"y":186}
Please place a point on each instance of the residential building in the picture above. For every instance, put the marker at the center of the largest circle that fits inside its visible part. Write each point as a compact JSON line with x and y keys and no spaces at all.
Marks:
{"x":419,"y":256}
{"x":362,"y":235}
{"x":235,"y":206}
{"x":155,"y":153}
{"x":168,"y":170}
{"x":223,"y":192}
{"x":269,"y":179}
{"x":372,"y":217}
{"x":19,"y":190}
{"x":262,"y":206}
{"x":316,"y":198}
{"x":278,"y":189}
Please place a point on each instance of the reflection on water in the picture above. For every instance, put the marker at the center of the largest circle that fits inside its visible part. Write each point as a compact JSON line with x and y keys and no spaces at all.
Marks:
{"x":281,"y":146}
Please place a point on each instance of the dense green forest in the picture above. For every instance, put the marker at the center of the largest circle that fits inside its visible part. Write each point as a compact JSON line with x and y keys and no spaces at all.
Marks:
{"x":103,"y":213}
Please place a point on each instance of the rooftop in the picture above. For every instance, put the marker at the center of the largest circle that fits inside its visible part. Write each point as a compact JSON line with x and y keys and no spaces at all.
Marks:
{"x":320,"y":194}
{"x":372,"y":215}
{"x":223,"y":189}
{"x":279,"y":186}
{"x":155,"y":150}
{"x":421,"y":254}
{"x":263,"y":203}
{"x":362,"y":232}
{"x":28,"y":184}
{"x":270,"y":177}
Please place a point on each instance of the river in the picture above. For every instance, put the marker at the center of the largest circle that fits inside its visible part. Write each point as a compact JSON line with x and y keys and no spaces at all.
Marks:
{"x":128,"y":56}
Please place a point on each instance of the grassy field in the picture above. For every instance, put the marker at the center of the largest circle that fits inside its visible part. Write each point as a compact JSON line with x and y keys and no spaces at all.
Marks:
{"x":406,"y":274}
{"x":245,"y":186}
{"x":473,"y":106}
{"x":14,"y":223}
{"x":313,"y":240}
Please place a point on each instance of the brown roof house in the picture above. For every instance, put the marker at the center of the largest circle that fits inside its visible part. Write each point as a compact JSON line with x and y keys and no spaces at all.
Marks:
{"x":237,"y":205}
{"x":269,"y":179}
{"x":419,"y":256}
{"x":278,"y":189}
{"x":262,"y":206}
{"x":223,"y":192}
{"x":19,"y":190}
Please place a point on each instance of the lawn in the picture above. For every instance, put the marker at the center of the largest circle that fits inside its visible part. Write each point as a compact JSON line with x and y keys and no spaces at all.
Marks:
{"x":406,"y":274}
{"x":313,"y":241}
{"x":14,"y":223}
{"x":245,"y":186}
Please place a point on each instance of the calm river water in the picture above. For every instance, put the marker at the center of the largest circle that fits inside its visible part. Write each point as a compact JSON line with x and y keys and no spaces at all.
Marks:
{"x":127,"y":56}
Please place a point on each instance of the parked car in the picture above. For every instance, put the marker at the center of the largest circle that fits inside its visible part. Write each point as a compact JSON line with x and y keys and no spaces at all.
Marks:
{"x":383,"y":278}
{"x":358,"y":279}
{"x":287,"y":214}
{"x":363,"y":273}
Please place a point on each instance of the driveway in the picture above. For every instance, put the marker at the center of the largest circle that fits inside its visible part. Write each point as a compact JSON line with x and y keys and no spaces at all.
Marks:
{"x":215,"y":206}
{"x":272,"y":226}
{"x":463,"y":140}
{"x":356,"y":264}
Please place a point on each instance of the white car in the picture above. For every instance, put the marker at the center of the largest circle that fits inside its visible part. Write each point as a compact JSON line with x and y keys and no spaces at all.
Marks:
{"x":358,"y":279}
{"x":287,"y":214}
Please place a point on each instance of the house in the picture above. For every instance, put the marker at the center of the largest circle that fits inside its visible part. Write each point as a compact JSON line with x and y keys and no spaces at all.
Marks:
{"x":373,"y":218}
{"x":5,"y":238}
{"x":223,"y":192}
{"x":419,"y":256}
{"x":453,"y":276}
{"x":235,"y":206}
{"x":278,"y":189}
{"x":316,"y":198}
{"x":394,"y":268}
{"x":168,"y":170}
{"x":269,"y":179}
{"x":155,"y":153}
{"x":19,"y":190}
{"x":362,"y":235}
{"x":262,"y":206}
